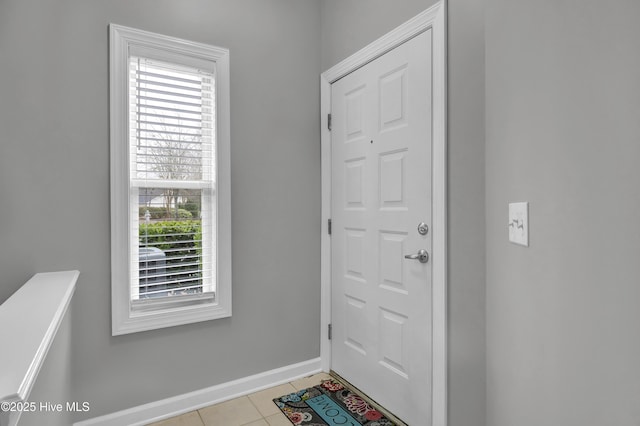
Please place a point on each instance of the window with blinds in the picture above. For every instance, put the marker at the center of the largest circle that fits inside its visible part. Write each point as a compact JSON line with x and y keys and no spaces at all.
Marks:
{"x":172,"y":152}
{"x":170,"y":202}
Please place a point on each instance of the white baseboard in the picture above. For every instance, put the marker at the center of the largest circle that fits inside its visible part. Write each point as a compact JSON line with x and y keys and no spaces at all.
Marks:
{"x":174,"y":406}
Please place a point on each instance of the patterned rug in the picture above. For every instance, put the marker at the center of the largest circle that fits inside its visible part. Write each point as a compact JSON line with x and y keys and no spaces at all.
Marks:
{"x":329,"y":403}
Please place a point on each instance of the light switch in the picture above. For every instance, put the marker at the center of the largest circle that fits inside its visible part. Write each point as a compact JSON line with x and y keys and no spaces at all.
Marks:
{"x":519,"y":223}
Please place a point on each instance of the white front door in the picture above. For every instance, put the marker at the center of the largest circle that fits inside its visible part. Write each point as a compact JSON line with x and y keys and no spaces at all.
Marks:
{"x":381,"y":148}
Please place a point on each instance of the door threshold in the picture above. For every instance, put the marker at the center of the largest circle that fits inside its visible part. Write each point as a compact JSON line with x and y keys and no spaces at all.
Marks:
{"x":367,"y":399}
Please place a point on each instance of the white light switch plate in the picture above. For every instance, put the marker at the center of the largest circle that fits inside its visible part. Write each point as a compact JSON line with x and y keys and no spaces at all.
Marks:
{"x":519,"y":223}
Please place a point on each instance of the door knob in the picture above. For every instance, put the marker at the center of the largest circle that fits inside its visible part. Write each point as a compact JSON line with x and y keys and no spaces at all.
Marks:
{"x":422,"y":256}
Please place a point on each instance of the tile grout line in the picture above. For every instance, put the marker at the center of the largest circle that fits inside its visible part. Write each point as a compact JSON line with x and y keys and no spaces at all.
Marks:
{"x":200,"y":417}
{"x":256,"y":407}
{"x":263,"y":417}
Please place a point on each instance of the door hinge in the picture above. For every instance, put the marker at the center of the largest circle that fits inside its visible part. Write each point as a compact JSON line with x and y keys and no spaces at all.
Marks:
{"x":329,"y":122}
{"x":329,"y":226}
{"x":329,"y":330}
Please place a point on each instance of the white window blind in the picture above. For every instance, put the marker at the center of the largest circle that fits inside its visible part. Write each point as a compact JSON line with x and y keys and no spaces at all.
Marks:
{"x":172,"y":183}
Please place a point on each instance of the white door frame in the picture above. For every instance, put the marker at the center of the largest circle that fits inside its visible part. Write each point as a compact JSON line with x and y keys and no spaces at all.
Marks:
{"x":434,"y":19}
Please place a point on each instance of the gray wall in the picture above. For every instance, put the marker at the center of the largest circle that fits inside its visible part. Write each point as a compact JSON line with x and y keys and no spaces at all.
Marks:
{"x":466,"y":213}
{"x":54,"y":186}
{"x":348,"y":25}
{"x":563,"y":131}
{"x":54,"y":183}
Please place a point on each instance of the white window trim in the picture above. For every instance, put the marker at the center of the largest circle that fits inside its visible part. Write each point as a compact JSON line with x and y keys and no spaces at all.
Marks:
{"x":123,"y":321}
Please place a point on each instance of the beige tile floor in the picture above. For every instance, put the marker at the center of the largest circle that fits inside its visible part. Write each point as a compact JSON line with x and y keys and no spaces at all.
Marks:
{"x":256,"y":409}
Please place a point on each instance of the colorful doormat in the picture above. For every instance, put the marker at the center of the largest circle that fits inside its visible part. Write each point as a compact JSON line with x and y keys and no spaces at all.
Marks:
{"x":329,"y":404}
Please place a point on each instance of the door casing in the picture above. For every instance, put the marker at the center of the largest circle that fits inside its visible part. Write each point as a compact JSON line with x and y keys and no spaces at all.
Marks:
{"x":434,"y":19}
